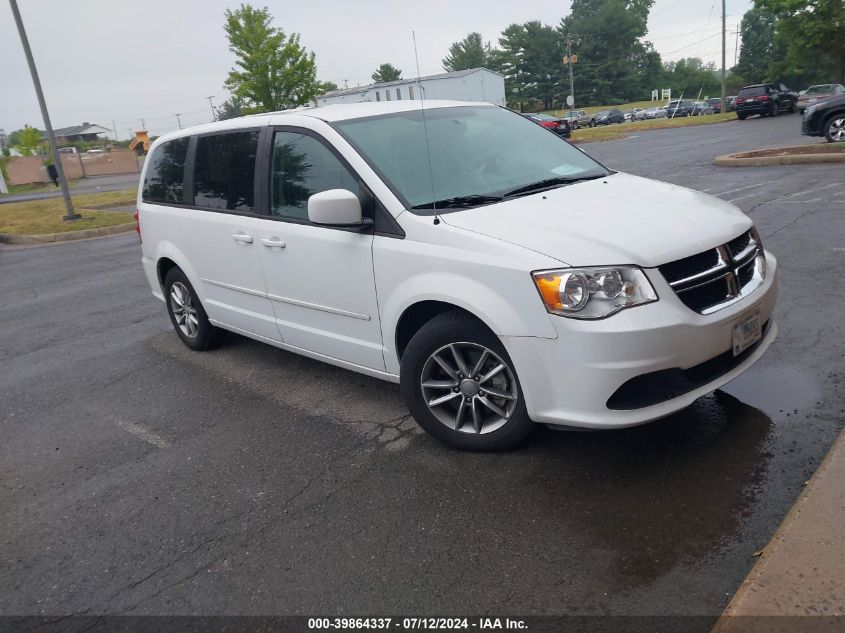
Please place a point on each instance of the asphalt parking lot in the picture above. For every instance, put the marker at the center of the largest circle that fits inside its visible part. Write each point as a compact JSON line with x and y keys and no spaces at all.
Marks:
{"x":137,"y":477}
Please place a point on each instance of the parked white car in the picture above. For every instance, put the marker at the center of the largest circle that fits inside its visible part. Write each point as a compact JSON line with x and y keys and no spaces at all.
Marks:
{"x":500,"y":275}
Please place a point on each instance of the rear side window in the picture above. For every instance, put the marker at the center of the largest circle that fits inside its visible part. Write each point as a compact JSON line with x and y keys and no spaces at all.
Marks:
{"x":224,"y":171}
{"x":755,"y":91}
{"x":163,"y":181}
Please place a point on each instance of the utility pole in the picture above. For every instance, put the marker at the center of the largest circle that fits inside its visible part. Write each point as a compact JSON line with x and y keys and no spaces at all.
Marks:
{"x":143,"y":124}
{"x":211,"y":103}
{"x":736,"y":47}
{"x":114,"y":127}
{"x":571,"y":63}
{"x":60,"y":172}
{"x":724,"y":85}
{"x":178,"y":120}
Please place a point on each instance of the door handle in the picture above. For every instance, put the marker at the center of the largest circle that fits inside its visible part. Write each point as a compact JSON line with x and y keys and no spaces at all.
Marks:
{"x":273,"y":242}
{"x":242,"y":237}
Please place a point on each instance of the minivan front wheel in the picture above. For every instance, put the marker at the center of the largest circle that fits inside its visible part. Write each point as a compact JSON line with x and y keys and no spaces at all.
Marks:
{"x":187,"y":314}
{"x":461,"y":387}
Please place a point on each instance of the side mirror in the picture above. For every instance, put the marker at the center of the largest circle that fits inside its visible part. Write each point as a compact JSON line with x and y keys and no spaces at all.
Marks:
{"x":337,"y":207}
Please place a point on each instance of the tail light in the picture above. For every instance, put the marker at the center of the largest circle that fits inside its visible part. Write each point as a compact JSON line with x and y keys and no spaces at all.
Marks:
{"x":738,"y":100}
{"x":549,"y":124}
{"x":763,"y":98}
{"x":138,"y":227}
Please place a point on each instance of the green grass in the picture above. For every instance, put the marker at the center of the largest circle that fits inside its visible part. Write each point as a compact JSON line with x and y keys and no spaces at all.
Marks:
{"x":40,"y":217}
{"x":616,"y":131}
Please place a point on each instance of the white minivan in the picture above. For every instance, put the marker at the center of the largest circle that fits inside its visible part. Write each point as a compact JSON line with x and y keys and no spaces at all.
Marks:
{"x":499,"y":274}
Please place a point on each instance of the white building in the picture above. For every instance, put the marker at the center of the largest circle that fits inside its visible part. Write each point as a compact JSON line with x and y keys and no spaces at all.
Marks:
{"x":475,"y":84}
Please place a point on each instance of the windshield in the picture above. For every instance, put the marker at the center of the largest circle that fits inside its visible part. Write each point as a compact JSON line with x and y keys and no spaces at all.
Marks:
{"x":816,"y":90}
{"x":476,"y":151}
{"x":752,"y":91}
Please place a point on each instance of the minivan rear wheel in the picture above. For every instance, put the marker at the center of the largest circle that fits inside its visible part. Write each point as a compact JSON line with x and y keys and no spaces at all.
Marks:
{"x":187,"y":314}
{"x":461,"y":387}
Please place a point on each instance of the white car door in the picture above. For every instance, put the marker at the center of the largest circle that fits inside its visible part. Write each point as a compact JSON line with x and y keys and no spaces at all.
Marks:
{"x":320,"y":279}
{"x":221,"y":232}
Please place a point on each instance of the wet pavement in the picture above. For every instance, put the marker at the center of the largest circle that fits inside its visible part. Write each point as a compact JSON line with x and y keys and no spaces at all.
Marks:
{"x":139,"y":477}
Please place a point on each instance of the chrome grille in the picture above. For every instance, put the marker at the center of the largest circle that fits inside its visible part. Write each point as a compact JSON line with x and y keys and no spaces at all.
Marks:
{"x":716,"y":278}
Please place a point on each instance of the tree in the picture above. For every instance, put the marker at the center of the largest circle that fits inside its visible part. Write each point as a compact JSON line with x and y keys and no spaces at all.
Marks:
{"x":327,"y":86}
{"x":606,"y":36}
{"x":385,"y":73}
{"x":691,"y":76}
{"x":530,"y":58}
{"x":758,"y":36}
{"x":812,"y":32}
{"x":232,"y":108}
{"x":274,"y":72}
{"x":29,"y":140}
{"x":470,"y":52}
{"x":14,"y":138}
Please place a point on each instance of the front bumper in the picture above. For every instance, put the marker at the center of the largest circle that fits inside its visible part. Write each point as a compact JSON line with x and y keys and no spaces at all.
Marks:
{"x":811,"y":127}
{"x":569,"y":380}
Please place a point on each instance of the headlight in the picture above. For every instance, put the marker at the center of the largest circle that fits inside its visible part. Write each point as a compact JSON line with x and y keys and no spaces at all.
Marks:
{"x":593,"y":293}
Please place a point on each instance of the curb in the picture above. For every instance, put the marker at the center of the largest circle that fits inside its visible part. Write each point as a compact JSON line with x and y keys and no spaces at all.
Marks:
{"x":733,"y":160}
{"x":49,"y":238}
{"x":801,"y":570}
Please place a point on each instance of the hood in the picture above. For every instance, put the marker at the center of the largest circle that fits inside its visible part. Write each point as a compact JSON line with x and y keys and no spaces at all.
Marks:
{"x":621,"y":219}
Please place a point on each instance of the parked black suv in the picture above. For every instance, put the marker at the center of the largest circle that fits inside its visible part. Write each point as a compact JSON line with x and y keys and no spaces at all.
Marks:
{"x":826,"y":118}
{"x":680,"y":108}
{"x":765,"y":100}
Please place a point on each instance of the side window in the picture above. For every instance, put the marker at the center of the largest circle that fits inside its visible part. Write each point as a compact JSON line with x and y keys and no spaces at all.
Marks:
{"x":410,"y":92}
{"x":302,"y":166}
{"x":378,"y":96}
{"x":166,"y":169}
{"x":398,"y":94}
{"x":224,"y":171}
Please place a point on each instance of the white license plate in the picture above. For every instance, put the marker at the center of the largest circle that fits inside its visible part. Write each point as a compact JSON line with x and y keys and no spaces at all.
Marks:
{"x":746,"y":332}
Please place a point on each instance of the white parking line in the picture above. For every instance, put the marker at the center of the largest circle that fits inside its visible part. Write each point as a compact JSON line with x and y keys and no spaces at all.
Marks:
{"x":795,"y":201}
{"x":801,"y":193}
{"x":759,"y":184}
{"x":142,"y":433}
{"x":750,"y":195}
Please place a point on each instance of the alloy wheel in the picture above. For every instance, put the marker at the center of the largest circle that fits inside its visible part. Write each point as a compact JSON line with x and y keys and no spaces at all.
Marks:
{"x":182,"y":305}
{"x":469,"y":388}
{"x":837,"y":129}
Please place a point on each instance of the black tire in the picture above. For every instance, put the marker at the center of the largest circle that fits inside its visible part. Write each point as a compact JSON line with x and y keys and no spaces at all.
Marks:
{"x":773,"y":110}
{"x":592,"y":123}
{"x":206,"y":335}
{"x":740,"y":116}
{"x":442,"y":330}
{"x":793,"y":108}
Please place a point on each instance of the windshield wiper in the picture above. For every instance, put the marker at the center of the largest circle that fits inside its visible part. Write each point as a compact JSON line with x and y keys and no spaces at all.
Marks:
{"x":458,"y":202}
{"x":548,"y":183}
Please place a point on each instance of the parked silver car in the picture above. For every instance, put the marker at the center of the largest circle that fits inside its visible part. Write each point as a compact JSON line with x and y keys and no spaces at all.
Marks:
{"x":654,"y":113}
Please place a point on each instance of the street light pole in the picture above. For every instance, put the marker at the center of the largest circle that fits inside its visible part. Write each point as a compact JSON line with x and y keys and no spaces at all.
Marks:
{"x":60,"y":172}
{"x":211,"y":103}
{"x":724,"y":107}
{"x":178,"y":120}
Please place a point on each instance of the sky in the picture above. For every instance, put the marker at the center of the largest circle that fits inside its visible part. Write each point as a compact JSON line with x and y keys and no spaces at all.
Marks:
{"x":104,"y":61}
